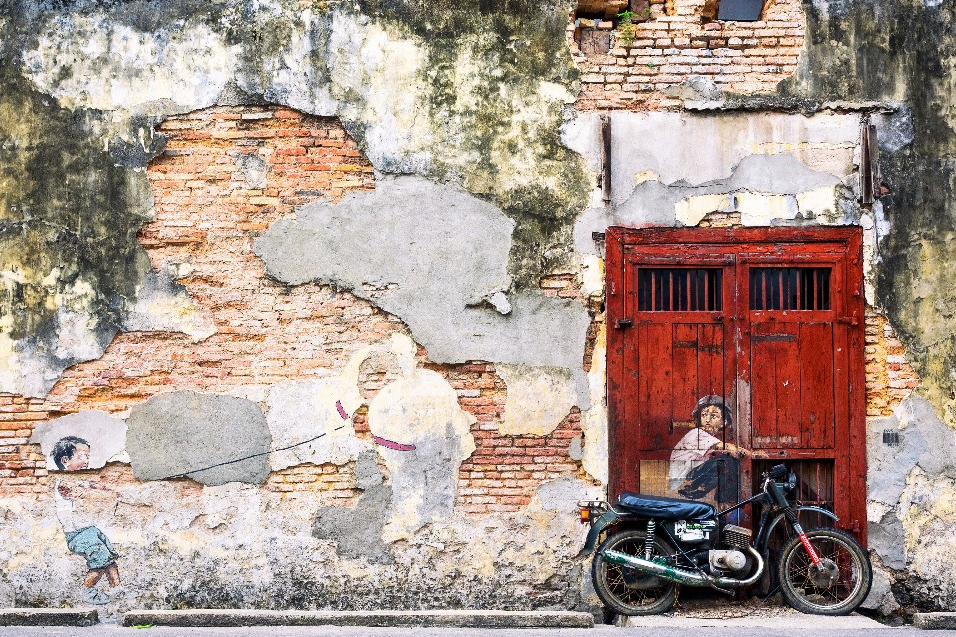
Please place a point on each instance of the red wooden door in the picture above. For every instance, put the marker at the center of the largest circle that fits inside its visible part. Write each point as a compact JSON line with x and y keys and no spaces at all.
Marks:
{"x":761,"y":329}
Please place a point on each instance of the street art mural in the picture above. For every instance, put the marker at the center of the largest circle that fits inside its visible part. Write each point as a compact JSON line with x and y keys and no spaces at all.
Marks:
{"x":703,"y":465}
{"x":83,"y":537}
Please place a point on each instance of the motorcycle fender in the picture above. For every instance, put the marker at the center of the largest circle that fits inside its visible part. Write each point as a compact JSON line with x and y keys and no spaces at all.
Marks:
{"x":607,"y":519}
{"x":798,"y":510}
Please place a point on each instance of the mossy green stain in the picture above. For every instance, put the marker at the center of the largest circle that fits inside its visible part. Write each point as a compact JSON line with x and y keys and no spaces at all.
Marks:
{"x":902,"y":50}
{"x":517,"y":45}
{"x":65,"y":206}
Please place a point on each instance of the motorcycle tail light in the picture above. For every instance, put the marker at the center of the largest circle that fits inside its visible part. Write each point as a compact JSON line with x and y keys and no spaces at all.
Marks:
{"x":585,"y":515}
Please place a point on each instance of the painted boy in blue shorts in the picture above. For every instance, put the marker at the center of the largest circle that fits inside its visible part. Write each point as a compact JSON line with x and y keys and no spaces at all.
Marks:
{"x":82,"y":537}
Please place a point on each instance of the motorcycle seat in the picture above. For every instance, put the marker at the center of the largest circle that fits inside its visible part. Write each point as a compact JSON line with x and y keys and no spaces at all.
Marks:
{"x":662,"y":508}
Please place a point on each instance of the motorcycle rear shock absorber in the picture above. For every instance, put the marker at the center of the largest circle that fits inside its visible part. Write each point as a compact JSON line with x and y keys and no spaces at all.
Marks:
{"x":649,"y":539}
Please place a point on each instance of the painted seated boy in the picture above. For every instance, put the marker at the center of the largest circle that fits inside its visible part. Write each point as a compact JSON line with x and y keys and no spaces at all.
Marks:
{"x":82,"y":536}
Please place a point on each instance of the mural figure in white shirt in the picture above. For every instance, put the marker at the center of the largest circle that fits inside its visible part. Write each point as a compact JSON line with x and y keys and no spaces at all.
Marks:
{"x":703,"y":465}
{"x":82,"y":537}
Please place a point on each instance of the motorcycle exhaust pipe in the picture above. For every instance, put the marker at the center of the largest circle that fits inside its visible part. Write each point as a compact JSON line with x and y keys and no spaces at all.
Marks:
{"x":680,"y":575}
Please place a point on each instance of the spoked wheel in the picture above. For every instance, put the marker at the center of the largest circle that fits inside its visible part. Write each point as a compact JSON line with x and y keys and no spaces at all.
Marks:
{"x":625,"y":590}
{"x":837,"y":585}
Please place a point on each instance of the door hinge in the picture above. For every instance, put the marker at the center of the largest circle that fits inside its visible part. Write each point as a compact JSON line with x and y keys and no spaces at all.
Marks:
{"x":848,"y":320}
{"x":622,"y":323}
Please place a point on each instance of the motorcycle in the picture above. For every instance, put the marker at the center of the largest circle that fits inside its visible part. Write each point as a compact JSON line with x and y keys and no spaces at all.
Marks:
{"x":653,"y":545}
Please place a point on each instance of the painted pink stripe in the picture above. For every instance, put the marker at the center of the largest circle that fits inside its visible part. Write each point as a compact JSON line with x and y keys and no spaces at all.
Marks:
{"x":389,"y":444}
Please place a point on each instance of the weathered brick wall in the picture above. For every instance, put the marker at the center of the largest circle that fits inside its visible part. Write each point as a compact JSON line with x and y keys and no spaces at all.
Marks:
{"x":668,"y":50}
{"x":889,"y":376}
{"x":207,"y":217}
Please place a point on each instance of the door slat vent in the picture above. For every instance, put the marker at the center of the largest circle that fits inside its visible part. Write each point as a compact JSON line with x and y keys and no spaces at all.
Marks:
{"x":789,"y":288}
{"x":679,"y":289}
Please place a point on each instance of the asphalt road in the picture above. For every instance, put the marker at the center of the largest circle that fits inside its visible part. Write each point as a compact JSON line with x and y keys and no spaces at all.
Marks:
{"x":108,"y":630}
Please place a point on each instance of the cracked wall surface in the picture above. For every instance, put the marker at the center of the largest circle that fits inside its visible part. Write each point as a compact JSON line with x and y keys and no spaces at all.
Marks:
{"x":443,"y":271}
{"x":239,"y":208}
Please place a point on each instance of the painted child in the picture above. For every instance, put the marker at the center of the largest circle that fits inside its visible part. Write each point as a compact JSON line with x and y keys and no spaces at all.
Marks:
{"x":82,"y":537}
{"x":702,"y":462}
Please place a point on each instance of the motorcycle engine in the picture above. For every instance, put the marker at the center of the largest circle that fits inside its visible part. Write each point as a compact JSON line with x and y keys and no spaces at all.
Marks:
{"x":727,"y":560}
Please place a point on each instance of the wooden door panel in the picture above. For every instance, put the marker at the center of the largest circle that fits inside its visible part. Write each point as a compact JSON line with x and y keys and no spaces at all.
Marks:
{"x":816,"y":385}
{"x":678,"y":365}
{"x":792,"y":367}
{"x":784,"y":330}
{"x":654,"y":401}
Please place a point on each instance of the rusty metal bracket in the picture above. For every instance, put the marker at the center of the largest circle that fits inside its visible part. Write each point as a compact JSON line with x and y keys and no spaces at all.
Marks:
{"x":606,"y":158}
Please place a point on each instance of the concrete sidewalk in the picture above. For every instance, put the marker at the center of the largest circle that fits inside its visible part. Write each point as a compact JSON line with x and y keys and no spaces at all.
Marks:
{"x":381,"y":619}
{"x":793,"y":621}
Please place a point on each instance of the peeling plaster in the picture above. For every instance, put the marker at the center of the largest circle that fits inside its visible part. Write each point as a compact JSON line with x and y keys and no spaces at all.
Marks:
{"x":594,"y":451}
{"x":538,"y":399}
{"x":302,"y":409}
{"x":821,"y":143}
{"x":912,"y":495}
{"x":764,"y":189}
{"x":163,"y":305}
{"x":91,"y":61}
{"x":434,"y":269}
{"x":105,"y":433}
{"x":421,"y":409}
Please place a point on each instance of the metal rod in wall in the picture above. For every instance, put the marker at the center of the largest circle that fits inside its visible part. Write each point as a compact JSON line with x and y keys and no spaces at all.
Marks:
{"x":606,"y":157}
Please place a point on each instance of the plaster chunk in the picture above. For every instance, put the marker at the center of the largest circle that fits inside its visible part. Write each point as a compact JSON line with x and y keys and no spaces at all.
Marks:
{"x":538,"y":399}
{"x":564,"y":495}
{"x":163,"y":305}
{"x":822,"y":143}
{"x":91,"y":61}
{"x":818,"y":202}
{"x":760,"y":209}
{"x":183,"y":432}
{"x":594,"y":452}
{"x":431,"y":268}
{"x":692,"y":210}
{"x":105,"y":434}
{"x":423,"y":435}
{"x":303,"y":409}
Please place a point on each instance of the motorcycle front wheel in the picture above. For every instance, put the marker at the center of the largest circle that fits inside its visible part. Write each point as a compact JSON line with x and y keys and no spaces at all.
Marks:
{"x":627,"y":591}
{"x":837,"y":586}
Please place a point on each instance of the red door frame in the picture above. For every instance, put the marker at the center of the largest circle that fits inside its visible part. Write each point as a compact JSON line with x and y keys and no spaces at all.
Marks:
{"x":765,"y":244}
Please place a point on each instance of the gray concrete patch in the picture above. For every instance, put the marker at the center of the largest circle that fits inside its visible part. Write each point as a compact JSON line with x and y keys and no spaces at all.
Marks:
{"x":433,"y":618}
{"x":105,"y":434}
{"x":443,"y":270}
{"x":881,"y":597}
{"x":367,"y":473}
{"x":924,"y":441}
{"x":935,"y":621}
{"x":179,"y":433}
{"x":48,"y":617}
{"x":357,"y":532}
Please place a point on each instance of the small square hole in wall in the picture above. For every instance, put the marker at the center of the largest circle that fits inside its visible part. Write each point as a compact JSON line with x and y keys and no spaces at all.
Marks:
{"x":740,"y":10}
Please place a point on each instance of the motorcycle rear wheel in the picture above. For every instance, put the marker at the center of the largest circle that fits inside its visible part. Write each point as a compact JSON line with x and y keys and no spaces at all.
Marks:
{"x":626,"y":591}
{"x":839,"y":588}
